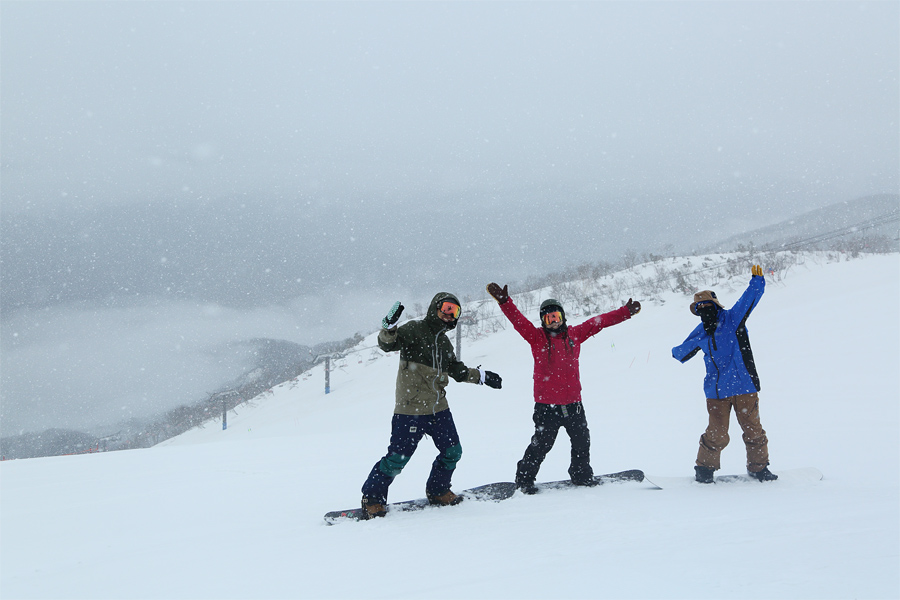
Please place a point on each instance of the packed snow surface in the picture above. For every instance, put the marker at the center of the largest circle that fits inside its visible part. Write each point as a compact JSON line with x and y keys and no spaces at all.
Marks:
{"x":238,"y":513}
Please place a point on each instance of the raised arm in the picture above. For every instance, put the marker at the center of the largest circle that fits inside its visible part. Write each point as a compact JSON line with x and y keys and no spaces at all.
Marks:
{"x":388,"y":338}
{"x":751,"y":296}
{"x":593,"y":325}
{"x":525,"y":328}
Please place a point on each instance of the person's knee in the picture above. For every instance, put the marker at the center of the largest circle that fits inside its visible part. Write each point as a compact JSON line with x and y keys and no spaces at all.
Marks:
{"x":392,"y":464}
{"x":715,"y":440}
{"x":451,"y":456}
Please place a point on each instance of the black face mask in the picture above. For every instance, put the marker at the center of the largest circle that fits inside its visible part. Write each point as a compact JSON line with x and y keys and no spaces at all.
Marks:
{"x":709,"y":315}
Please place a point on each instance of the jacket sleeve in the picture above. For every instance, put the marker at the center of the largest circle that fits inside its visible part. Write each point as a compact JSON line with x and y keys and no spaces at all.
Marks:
{"x":526,"y":329}
{"x":459,"y":371}
{"x":463,"y":374}
{"x":748,"y":300}
{"x":689,"y":347}
{"x":389,"y":339}
{"x":593,"y":325}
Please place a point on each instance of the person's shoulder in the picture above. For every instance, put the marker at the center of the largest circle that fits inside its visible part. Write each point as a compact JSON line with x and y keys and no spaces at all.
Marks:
{"x":409,"y":326}
{"x":415,"y":327}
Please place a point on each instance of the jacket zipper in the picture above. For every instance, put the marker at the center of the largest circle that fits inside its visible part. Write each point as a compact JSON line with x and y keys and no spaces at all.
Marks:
{"x":713,"y":346}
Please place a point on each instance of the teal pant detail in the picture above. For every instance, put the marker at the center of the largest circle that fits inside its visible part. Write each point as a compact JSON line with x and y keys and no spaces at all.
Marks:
{"x":451,"y":456}
{"x":392,"y":464}
{"x":406,"y":432}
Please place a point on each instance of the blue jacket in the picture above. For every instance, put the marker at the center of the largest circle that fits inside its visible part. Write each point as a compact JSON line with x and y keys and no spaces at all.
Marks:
{"x":730,"y":369}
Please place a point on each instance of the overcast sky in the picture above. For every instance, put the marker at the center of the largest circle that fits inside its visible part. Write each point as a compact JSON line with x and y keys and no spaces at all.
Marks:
{"x":300,"y":155}
{"x":130,"y":101}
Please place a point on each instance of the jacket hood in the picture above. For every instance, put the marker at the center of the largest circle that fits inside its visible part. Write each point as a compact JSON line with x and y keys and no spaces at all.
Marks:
{"x":432,"y":318}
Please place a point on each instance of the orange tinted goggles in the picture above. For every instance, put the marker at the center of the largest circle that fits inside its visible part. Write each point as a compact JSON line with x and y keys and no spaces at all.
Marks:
{"x":449,"y":308}
{"x":552,"y":317}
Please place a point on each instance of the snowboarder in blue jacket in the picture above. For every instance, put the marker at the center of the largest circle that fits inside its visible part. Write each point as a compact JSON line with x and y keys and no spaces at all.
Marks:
{"x":731,"y":379}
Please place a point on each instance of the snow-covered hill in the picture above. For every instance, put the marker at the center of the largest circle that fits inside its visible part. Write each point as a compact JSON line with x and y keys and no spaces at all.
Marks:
{"x":862,"y":223}
{"x":238,"y":513}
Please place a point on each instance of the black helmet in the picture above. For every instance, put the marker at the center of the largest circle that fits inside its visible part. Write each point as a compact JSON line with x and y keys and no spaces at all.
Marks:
{"x":549,"y":305}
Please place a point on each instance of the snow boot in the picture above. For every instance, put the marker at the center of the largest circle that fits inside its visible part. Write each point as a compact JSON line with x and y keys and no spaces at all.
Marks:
{"x":703,"y":474}
{"x":589,"y":482}
{"x":372,"y":509}
{"x":764,"y":475}
{"x":527,"y":487}
{"x":448,"y":498}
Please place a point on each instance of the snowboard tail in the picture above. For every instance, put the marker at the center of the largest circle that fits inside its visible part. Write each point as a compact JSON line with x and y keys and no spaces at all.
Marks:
{"x":494,"y":492}
{"x":621,"y":476}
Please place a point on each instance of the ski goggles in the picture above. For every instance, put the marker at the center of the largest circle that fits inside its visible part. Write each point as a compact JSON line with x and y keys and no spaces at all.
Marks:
{"x":552,"y":317}
{"x":703,"y":304}
{"x":450,"y":309}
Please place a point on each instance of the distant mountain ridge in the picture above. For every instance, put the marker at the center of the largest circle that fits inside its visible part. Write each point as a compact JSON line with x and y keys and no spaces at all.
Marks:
{"x":269,"y":362}
{"x":872,"y":218}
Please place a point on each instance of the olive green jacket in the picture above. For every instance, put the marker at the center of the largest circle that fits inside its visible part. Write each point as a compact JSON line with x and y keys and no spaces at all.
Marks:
{"x":427,"y":361}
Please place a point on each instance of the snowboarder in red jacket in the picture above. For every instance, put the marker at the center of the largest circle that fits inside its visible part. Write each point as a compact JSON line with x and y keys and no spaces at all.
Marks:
{"x":556,"y":348}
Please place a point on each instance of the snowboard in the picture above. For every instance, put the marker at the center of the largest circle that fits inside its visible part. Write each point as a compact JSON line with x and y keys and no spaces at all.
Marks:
{"x":492,"y":491}
{"x":786,"y":477}
{"x":621,"y":476}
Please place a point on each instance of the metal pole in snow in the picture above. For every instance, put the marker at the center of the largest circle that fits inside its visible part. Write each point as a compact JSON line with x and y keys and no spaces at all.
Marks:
{"x":459,"y":325}
{"x":224,"y":413}
{"x":327,"y":374}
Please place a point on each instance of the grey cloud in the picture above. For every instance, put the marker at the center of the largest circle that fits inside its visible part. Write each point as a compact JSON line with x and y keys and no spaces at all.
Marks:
{"x":116,"y":101}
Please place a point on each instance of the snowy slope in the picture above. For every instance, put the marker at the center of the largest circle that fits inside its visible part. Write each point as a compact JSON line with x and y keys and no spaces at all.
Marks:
{"x":238,"y":513}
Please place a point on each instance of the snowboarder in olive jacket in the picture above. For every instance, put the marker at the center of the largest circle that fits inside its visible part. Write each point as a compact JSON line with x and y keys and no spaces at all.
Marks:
{"x":427,"y":362}
{"x":731,"y":379}
{"x":556,"y":349}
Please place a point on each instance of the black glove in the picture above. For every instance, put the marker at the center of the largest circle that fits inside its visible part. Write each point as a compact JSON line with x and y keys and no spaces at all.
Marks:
{"x":633,"y":307}
{"x":493,"y":380}
{"x":393,"y":315}
{"x":500,"y":295}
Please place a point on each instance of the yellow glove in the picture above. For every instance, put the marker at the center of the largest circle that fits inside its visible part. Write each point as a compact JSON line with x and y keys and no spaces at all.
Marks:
{"x":756,"y":270}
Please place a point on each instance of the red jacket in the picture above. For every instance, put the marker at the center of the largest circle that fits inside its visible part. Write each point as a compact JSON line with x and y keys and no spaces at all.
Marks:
{"x":556,"y":376}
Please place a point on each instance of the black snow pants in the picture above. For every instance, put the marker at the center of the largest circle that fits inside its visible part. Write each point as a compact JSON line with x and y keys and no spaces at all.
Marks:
{"x":548,"y":418}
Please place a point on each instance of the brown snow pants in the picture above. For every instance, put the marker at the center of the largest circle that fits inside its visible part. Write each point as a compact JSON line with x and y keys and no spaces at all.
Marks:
{"x":714,"y":440}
